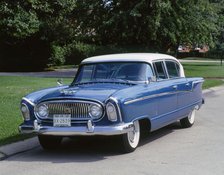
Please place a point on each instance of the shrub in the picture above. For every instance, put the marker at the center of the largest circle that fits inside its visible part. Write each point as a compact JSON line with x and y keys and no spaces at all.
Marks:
{"x":80,"y":51}
{"x":58,"y":54}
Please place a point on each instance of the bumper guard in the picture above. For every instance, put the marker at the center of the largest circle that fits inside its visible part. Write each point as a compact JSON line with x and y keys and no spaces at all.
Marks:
{"x":87,"y":130}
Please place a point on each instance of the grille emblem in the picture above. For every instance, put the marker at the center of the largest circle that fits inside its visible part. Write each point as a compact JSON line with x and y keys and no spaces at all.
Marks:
{"x":68,"y":110}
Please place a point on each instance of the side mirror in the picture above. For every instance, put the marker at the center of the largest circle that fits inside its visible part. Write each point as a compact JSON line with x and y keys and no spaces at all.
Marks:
{"x":60,"y":82}
{"x":151,"y":79}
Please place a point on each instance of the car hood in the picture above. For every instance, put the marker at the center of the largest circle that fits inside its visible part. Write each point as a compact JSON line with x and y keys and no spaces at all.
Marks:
{"x":97,"y":91}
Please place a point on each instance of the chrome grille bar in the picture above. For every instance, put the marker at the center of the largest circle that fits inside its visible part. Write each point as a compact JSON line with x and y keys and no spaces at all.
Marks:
{"x":79,"y":110}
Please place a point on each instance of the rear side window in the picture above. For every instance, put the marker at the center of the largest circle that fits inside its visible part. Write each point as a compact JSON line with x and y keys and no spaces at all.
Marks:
{"x":173,"y":69}
{"x":159,"y":70}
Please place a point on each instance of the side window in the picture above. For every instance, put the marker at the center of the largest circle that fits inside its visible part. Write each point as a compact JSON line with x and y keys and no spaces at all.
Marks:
{"x":172,"y":69}
{"x":159,"y":70}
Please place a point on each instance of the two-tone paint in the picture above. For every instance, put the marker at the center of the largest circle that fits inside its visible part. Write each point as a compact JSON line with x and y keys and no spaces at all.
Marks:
{"x":161,"y":102}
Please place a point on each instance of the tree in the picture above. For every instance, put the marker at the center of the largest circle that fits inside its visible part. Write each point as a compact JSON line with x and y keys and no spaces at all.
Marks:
{"x":159,"y":23}
{"x":52,"y":30}
{"x":37,"y":23}
{"x":16,"y":21}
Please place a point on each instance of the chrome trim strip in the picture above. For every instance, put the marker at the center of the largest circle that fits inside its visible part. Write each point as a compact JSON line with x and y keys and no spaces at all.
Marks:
{"x":195,"y":82}
{"x":79,"y":130}
{"x":30,"y":102}
{"x":149,"y":96}
{"x":162,"y":94}
{"x":199,"y":81}
{"x":118,"y":108}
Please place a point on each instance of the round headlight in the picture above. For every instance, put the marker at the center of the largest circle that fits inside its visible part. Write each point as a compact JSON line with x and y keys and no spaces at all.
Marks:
{"x":42,"y":111}
{"x":25,"y":111}
{"x":95,"y":111}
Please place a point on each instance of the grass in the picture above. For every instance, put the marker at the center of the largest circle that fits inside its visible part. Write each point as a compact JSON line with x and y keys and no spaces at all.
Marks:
{"x":212,"y":72}
{"x":206,"y":70}
{"x":211,"y":83}
{"x":12,"y":89}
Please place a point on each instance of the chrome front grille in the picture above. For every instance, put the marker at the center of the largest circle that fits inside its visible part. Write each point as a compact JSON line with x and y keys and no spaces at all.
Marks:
{"x":79,"y":110}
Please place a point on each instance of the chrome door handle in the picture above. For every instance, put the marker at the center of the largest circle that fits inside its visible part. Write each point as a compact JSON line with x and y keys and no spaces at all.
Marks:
{"x":188,"y":84}
{"x":175,"y":87}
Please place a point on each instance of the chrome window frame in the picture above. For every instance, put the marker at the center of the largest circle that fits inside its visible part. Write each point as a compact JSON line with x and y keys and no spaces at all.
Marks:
{"x":82,"y":64}
{"x":166,"y":72}
{"x":176,"y":63}
{"x":164,"y":69}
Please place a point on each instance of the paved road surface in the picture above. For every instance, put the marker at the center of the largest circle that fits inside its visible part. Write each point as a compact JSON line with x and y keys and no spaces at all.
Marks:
{"x":64,"y":73}
{"x":199,"y":61}
{"x":171,"y":150}
{"x":58,"y":73}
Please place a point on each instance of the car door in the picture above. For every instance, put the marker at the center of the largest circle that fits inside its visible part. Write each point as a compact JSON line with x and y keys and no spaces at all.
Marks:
{"x":182,"y":84}
{"x":166,"y":96}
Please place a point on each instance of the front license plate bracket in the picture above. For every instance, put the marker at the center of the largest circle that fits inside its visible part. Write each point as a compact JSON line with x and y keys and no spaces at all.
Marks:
{"x":62,"y":120}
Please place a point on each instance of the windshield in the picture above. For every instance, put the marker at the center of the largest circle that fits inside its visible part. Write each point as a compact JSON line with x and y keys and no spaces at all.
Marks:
{"x":128,"y":72}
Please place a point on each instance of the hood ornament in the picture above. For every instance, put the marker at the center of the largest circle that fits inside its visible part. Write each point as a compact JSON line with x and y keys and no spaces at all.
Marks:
{"x":68,"y":91}
{"x":60,"y":82}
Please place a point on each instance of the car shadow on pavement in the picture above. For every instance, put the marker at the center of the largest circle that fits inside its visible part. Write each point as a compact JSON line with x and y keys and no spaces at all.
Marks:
{"x":88,"y":149}
{"x":147,"y":137}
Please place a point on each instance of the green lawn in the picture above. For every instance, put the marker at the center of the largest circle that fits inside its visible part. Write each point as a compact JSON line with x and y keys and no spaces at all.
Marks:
{"x":207,"y":70}
{"x":12,"y":89}
{"x":212,"y":72}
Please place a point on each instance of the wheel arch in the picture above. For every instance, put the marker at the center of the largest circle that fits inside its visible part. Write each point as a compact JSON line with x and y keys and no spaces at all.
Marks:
{"x":145,"y":124}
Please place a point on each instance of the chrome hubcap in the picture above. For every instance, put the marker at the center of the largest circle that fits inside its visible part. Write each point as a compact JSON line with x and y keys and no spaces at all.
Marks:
{"x":191,"y":116}
{"x":133,"y":136}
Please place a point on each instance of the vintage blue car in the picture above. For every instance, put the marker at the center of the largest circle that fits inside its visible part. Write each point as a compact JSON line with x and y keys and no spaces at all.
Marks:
{"x":116,"y":94}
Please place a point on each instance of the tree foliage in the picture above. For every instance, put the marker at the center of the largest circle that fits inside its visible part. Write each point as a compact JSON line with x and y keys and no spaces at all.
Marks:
{"x":160,"y":23}
{"x":67,"y":26}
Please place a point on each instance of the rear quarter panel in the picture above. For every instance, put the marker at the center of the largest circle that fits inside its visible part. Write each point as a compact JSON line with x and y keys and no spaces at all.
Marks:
{"x":191,"y":97}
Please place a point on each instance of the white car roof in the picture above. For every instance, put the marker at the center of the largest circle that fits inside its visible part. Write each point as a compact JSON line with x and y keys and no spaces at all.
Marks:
{"x":138,"y":57}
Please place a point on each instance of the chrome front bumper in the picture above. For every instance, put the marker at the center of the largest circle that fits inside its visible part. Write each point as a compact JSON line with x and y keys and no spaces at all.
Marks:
{"x":87,"y":130}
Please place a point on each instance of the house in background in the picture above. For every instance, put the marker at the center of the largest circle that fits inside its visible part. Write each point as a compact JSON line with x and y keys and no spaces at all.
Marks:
{"x":185,"y":48}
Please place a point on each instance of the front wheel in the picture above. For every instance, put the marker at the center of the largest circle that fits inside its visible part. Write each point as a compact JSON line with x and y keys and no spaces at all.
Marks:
{"x":49,"y":142}
{"x":131,"y":139}
{"x":189,"y":120}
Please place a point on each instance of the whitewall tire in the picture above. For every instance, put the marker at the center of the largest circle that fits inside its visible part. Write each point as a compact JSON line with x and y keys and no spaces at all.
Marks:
{"x":130,"y":140}
{"x":189,"y":120}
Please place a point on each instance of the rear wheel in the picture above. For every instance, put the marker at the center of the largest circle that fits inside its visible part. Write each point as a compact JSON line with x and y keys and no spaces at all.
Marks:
{"x":189,"y":120}
{"x":49,"y":142}
{"x":131,"y":139}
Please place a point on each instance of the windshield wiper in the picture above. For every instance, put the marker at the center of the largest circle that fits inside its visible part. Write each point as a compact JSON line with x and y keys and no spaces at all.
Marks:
{"x":123,"y":81}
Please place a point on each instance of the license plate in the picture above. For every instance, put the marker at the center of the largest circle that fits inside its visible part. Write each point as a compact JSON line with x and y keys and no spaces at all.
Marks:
{"x":62,"y":120}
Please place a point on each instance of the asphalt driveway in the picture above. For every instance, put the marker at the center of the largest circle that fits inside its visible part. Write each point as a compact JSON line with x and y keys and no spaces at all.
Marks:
{"x":67,"y":73}
{"x":58,"y":73}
